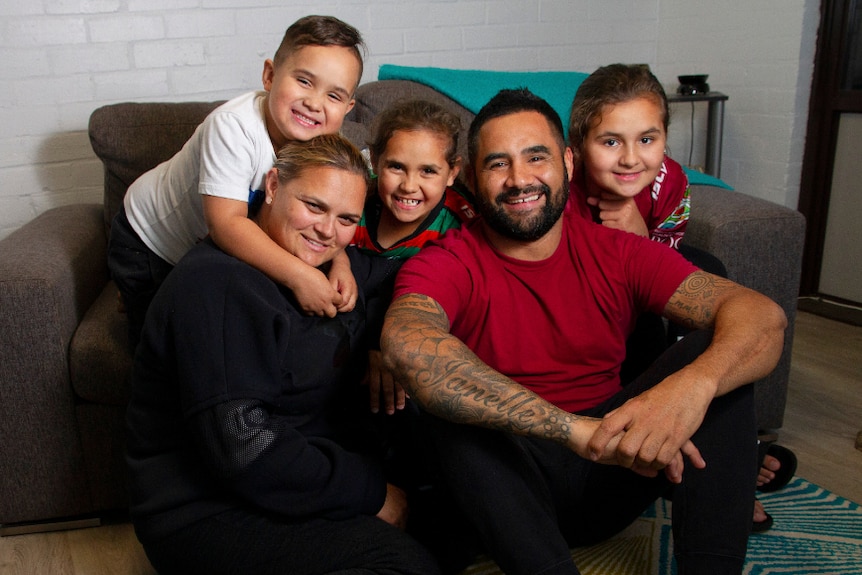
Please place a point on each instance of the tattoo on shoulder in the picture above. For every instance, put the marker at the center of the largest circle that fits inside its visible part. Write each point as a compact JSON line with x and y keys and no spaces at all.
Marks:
{"x":695,"y":299}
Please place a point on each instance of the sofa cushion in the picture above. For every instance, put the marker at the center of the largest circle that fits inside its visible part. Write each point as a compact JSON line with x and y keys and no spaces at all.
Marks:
{"x":99,"y":357}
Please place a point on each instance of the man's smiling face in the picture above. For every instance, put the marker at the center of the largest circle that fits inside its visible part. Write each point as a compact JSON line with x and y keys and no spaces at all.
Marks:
{"x":521,"y":175}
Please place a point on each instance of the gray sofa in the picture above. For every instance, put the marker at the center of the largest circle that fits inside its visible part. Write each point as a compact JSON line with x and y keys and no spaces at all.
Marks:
{"x":63,"y":381}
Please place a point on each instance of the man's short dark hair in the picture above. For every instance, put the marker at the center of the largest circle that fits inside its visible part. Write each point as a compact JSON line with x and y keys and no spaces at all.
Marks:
{"x":507,"y":102}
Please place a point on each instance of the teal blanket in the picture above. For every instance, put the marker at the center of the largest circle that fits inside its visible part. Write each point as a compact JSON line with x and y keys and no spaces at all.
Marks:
{"x":696,"y":178}
{"x":473,"y":88}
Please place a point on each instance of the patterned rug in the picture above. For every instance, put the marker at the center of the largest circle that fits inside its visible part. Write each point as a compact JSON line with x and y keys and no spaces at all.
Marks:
{"x":815,"y":531}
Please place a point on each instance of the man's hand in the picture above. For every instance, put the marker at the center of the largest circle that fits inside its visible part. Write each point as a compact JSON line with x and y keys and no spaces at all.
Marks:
{"x":619,"y":213}
{"x":394,"y":510}
{"x":656,"y":428}
{"x":382,"y":386}
{"x":658,"y":424}
{"x":585,"y":430}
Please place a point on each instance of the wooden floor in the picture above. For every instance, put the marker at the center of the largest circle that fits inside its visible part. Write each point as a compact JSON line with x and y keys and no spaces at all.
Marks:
{"x":822,"y":420}
{"x":824,"y":404}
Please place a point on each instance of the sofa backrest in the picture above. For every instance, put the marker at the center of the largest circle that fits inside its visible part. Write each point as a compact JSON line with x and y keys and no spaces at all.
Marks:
{"x":130,"y":138}
{"x":373,"y":97}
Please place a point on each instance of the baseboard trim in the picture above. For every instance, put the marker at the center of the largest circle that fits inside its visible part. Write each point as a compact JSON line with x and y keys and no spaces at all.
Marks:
{"x":10,"y":529}
{"x":839,"y":311}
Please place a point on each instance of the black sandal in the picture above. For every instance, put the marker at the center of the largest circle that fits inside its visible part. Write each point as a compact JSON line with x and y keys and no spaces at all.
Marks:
{"x":762,"y":526}
{"x":785,"y":473}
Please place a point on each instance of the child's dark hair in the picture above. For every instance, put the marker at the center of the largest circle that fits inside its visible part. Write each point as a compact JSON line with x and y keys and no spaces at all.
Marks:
{"x":612,"y":84}
{"x":320,"y":31}
{"x":415,"y":115}
{"x":507,"y":102}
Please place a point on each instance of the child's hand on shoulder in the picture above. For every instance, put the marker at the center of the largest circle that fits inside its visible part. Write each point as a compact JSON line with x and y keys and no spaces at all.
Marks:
{"x":342,"y":281}
{"x":619,"y":213}
{"x":315,"y":294}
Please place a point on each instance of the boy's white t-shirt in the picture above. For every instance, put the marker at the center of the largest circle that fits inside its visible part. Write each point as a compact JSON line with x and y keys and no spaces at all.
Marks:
{"x":228,"y":156}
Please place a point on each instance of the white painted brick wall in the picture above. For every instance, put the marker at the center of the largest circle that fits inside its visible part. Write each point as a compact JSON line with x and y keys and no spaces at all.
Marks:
{"x":61,"y":59}
{"x":761,"y":55}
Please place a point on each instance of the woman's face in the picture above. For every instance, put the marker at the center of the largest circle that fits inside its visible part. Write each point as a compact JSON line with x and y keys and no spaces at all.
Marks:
{"x":314,"y":215}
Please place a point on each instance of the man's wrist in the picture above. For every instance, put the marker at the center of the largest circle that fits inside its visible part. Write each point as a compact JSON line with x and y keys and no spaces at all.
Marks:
{"x":581,"y":431}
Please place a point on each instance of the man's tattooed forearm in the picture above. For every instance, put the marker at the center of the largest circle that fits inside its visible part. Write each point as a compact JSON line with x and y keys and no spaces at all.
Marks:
{"x":449,"y":380}
{"x":482,"y":400}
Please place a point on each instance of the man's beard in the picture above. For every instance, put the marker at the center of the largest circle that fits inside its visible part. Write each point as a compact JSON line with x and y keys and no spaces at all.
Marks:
{"x":527,"y":230}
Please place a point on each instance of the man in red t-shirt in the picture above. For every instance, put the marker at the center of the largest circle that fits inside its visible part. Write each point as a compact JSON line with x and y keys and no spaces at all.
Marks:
{"x":516,"y":325}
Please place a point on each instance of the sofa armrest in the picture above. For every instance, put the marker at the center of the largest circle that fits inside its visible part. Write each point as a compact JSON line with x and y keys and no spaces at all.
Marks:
{"x":760,"y":244}
{"x":51,"y":270}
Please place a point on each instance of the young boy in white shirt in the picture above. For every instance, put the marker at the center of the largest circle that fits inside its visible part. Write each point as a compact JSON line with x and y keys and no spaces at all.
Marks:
{"x":206,"y":188}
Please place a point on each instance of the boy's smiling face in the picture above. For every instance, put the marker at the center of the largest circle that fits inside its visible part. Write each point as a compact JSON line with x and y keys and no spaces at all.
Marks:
{"x":310,"y":92}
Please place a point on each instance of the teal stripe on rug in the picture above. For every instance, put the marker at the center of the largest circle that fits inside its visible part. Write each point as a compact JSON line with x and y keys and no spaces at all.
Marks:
{"x":815,"y":532}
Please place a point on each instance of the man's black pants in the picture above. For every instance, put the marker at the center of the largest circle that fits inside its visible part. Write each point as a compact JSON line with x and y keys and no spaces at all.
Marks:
{"x":531,"y":500}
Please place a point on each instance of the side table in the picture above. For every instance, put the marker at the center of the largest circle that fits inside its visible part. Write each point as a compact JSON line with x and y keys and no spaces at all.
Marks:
{"x":714,"y":125}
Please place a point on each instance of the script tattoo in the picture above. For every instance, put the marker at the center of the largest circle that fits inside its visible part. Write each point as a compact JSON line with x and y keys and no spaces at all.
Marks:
{"x":442,"y":374}
{"x":693,"y":303}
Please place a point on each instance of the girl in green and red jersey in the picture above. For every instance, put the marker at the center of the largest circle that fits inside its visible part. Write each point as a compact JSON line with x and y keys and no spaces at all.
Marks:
{"x":414,"y":156}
